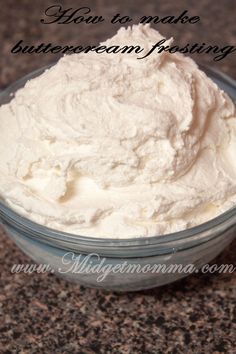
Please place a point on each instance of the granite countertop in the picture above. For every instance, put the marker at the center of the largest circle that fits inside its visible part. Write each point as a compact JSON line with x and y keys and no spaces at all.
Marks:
{"x":40,"y":313}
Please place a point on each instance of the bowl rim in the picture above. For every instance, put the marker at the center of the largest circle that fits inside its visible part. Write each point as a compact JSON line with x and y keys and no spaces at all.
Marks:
{"x":9,"y":216}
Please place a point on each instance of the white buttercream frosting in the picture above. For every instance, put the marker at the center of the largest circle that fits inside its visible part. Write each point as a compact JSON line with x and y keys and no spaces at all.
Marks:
{"x":107,"y":145}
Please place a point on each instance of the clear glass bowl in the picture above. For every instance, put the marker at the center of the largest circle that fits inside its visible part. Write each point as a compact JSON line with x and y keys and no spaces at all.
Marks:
{"x":64,"y":252}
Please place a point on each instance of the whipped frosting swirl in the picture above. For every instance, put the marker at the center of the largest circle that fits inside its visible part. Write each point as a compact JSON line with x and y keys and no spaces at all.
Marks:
{"x":107,"y":145}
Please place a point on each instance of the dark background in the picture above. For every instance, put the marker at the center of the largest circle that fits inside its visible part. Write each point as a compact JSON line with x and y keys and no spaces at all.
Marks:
{"x":43,"y":314}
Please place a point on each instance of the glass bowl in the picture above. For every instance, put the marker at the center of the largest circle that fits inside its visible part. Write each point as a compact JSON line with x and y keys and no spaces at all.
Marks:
{"x":127,"y":264}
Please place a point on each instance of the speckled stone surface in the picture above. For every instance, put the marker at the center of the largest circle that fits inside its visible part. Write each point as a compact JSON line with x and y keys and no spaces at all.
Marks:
{"x":40,"y":313}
